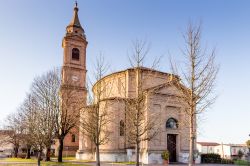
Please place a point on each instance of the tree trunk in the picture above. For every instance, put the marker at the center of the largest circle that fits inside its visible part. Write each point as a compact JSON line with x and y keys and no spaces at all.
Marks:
{"x":28,"y":152}
{"x":60,"y":153}
{"x":39,"y":158}
{"x":97,"y":156}
{"x":137,"y":154}
{"x":47,"y":155}
{"x":191,"y":141}
{"x":15,"y":151}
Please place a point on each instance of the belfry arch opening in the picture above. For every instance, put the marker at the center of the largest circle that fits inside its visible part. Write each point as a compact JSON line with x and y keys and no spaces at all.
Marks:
{"x":75,"y":54}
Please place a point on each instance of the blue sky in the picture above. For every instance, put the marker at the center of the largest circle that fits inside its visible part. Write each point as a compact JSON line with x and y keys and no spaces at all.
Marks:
{"x":31,"y":33}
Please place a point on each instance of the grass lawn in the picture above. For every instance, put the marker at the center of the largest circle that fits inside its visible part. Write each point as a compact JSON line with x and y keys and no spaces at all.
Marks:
{"x":68,"y":159}
{"x":242,"y":162}
{"x":21,"y":162}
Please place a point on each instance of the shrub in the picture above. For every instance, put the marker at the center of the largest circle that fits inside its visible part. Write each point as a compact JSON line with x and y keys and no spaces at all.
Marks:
{"x":165,"y":155}
{"x":240,"y":154}
{"x":215,"y":158}
{"x":210,"y":158}
{"x":227,"y":161}
{"x":21,"y":155}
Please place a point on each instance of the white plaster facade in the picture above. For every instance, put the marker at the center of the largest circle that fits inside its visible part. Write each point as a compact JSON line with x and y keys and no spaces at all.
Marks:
{"x":207,"y":147}
{"x":227,"y":151}
{"x":230,"y":151}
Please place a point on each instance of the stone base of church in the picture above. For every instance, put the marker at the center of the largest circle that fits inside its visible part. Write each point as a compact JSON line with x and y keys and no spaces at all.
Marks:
{"x":154,"y":157}
{"x":110,"y":156}
{"x":113,"y":157}
{"x":84,"y":155}
{"x":183,"y":157}
{"x":149,"y":157}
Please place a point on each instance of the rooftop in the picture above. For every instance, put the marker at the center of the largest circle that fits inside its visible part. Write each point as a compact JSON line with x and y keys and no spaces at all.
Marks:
{"x":208,"y":143}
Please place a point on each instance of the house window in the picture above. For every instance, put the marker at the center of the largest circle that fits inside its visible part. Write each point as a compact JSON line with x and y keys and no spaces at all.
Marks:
{"x":75,"y":54}
{"x":172,"y":123}
{"x":73,"y":138}
{"x":234,"y":151}
{"x":122,"y":128}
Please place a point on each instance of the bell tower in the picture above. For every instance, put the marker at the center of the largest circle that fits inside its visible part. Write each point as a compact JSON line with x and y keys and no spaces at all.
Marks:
{"x":74,"y":57}
{"x":73,"y":79}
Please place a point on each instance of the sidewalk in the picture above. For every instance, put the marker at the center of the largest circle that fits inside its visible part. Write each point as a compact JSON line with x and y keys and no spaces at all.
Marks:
{"x":102,"y":164}
{"x":115,"y":164}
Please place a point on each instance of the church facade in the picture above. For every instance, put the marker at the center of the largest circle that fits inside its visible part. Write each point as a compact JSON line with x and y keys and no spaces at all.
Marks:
{"x":162,"y":98}
{"x":161,"y":93}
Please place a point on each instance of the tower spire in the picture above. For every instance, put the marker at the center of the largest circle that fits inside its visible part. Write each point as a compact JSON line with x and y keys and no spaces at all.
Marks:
{"x":75,"y":20}
{"x":75,"y":27}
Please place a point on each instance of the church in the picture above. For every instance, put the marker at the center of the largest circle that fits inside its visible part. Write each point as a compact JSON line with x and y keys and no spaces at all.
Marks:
{"x":161,"y":93}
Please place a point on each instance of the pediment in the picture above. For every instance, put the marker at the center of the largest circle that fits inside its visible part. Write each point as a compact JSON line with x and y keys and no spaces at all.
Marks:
{"x":167,"y":90}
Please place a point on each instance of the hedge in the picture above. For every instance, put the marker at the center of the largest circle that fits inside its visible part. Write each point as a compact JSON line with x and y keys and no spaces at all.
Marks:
{"x":214,"y":158}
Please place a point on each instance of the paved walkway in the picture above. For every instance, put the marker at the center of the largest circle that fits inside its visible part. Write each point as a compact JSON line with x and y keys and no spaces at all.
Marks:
{"x":106,"y":164}
{"x":110,"y":164}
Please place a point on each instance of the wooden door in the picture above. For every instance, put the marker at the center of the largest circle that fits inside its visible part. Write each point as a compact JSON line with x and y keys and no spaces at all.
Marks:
{"x":171,"y":143}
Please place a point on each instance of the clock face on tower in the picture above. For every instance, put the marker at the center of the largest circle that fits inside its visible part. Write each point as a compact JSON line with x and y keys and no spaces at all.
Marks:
{"x":74,"y":78}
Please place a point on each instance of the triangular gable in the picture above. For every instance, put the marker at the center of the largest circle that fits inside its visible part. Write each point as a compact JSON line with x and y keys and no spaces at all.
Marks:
{"x":169,"y":88}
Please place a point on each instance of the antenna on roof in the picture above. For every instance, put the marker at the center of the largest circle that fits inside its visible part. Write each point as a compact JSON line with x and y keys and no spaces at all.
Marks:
{"x":76,"y":3}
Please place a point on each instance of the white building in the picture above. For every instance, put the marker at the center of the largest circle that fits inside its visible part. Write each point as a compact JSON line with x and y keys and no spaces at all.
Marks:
{"x":5,"y":147}
{"x":206,"y":147}
{"x":227,"y":151}
{"x":231,"y":151}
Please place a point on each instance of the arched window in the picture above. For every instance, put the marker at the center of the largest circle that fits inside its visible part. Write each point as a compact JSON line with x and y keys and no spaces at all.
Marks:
{"x":122,"y":128}
{"x":172,"y":123}
{"x":75,"y":54}
{"x":73,"y":138}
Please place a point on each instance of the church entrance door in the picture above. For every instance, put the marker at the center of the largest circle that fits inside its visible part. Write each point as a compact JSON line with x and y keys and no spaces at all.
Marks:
{"x":171,"y":143}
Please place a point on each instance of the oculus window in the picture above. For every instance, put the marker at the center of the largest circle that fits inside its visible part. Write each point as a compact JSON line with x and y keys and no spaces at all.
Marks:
{"x":172,"y":123}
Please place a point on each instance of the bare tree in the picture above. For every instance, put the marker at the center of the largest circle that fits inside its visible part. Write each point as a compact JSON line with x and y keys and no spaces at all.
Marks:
{"x":13,"y":131}
{"x":39,"y":113}
{"x":45,"y":90}
{"x":141,"y":124}
{"x":198,"y":73}
{"x":60,"y":105}
{"x":68,"y":115}
{"x":33,"y":118}
{"x":95,"y":118}
{"x":43,"y":116}
{"x":26,"y":110}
